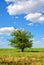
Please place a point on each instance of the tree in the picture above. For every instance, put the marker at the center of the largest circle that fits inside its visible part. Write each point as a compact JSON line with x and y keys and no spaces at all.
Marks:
{"x":21,"y":39}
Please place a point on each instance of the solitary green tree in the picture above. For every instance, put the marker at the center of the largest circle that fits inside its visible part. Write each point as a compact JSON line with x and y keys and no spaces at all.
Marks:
{"x":21,"y":39}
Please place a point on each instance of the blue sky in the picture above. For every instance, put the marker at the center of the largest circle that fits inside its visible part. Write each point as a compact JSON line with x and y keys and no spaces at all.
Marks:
{"x":23,"y":14}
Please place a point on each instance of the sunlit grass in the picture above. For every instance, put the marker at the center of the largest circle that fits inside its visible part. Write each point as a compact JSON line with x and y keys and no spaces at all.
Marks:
{"x":16,"y":57}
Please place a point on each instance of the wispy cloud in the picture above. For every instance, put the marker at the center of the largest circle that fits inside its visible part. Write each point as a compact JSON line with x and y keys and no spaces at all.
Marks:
{"x":39,"y":43}
{"x":30,"y":24}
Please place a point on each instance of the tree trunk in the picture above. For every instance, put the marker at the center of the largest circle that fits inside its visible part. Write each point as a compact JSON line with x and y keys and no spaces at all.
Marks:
{"x":22,"y":49}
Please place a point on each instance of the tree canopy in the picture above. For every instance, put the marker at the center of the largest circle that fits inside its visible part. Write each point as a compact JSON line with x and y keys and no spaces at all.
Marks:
{"x":21,"y":39}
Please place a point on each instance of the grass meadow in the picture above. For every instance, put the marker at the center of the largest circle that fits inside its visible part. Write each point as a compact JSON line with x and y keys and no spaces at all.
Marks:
{"x":33,"y":56}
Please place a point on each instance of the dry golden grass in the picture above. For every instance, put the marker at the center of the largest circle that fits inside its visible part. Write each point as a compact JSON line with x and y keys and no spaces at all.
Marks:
{"x":9,"y":60}
{"x":11,"y":57}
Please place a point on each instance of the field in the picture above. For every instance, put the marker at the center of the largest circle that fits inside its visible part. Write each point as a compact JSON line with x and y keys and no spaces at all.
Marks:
{"x":33,"y":56}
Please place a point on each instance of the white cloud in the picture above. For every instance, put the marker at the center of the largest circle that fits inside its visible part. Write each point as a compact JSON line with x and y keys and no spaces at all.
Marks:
{"x":30,"y":24}
{"x":25,"y":6}
{"x":15,"y":9}
{"x":6,"y":30}
{"x":32,"y":16}
{"x":39,"y":43}
{"x":42,"y":38}
{"x":28,"y":7}
{"x":41,"y":18}
{"x":9,"y":1}
{"x":35,"y":17}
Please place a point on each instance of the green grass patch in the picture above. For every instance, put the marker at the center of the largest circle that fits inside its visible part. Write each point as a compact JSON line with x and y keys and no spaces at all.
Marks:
{"x":17,"y":52}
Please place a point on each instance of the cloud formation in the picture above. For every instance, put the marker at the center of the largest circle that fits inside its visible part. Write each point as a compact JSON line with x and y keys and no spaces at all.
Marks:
{"x":6,"y":30}
{"x":39,"y":43}
{"x":35,"y":17}
{"x":36,"y":7}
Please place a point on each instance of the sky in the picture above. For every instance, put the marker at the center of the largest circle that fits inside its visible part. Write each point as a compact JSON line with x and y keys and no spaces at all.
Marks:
{"x":22,"y":14}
